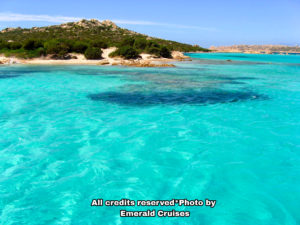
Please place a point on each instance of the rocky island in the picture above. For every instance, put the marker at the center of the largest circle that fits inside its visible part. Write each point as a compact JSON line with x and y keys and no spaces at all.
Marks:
{"x":89,"y":42}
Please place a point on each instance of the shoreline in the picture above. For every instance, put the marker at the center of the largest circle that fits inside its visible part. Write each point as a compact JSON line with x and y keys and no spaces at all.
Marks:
{"x":146,"y":60}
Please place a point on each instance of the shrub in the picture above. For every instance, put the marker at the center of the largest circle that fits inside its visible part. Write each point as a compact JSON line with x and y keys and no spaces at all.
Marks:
{"x":154,"y":51}
{"x":29,"y":45}
{"x":2,"y":44}
{"x":128,"y":41}
{"x":15,"y":45}
{"x":56,"y":47}
{"x":79,"y":47}
{"x":25,"y":54}
{"x":41,"y":51}
{"x":99,"y":44}
{"x":165,"y":52}
{"x":32,"y":44}
{"x":38,"y":44}
{"x":140,"y":43}
{"x":93,"y":53}
{"x":61,"y":55}
{"x":152,"y":44}
{"x":126,"y":52}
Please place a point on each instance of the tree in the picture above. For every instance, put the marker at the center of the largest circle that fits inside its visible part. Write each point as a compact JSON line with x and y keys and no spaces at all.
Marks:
{"x":152,"y":44}
{"x":154,"y":51}
{"x":41,"y":52}
{"x":165,"y":52}
{"x":140,"y":43}
{"x":99,"y":44}
{"x":126,"y":52}
{"x":79,"y":47}
{"x":56,"y":47}
{"x":128,"y":41}
{"x":3,"y":44}
{"x":29,"y":44}
{"x":32,"y":44}
{"x":15,"y":45}
{"x":93,"y":53}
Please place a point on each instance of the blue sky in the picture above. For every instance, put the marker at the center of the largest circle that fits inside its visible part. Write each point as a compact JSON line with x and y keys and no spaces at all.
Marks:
{"x":211,"y":22}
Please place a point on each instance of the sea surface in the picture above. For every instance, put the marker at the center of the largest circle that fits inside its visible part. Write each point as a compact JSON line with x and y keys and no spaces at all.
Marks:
{"x":224,"y":127}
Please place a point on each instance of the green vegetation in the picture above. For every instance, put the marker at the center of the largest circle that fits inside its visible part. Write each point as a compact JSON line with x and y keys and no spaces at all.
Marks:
{"x":130,"y":47}
{"x":99,"y":44}
{"x":59,"y":49}
{"x":79,"y":47}
{"x":3,"y":44}
{"x":140,"y":43}
{"x":83,"y":37}
{"x":165,"y":52}
{"x":31,"y":44}
{"x":93,"y":53}
{"x":127,"y":41}
{"x":55,"y":47}
{"x":20,"y":53}
{"x":15,"y":45}
{"x":126,"y":52}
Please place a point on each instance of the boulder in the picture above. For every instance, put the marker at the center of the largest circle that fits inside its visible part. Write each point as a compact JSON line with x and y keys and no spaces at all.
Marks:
{"x":109,"y":23}
{"x":64,"y":57}
{"x":178,"y":55}
{"x":103,"y":62}
{"x":142,"y":63}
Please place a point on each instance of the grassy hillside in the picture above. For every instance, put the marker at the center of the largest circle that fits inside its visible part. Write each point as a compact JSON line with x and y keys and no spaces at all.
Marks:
{"x":82,"y":36}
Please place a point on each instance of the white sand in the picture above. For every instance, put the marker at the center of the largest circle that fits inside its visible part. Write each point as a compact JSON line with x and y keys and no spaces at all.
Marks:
{"x":81,"y":60}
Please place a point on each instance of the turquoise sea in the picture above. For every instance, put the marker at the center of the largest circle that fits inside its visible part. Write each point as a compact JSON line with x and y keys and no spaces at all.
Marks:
{"x":207,"y":129}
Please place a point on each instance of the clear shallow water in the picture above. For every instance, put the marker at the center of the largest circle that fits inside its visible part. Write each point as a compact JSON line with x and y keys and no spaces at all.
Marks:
{"x":206,"y":129}
{"x":257,"y":58}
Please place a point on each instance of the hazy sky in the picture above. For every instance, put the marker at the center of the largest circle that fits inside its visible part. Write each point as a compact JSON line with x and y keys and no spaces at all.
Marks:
{"x":211,"y":22}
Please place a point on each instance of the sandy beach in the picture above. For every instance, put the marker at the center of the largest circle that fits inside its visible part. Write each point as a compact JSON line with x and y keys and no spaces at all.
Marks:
{"x":146,"y":60}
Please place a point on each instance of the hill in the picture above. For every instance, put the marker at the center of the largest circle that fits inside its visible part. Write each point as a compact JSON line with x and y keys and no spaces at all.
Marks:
{"x":82,"y":36}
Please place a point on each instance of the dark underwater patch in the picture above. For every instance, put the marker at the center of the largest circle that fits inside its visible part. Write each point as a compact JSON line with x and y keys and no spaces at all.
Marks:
{"x":225,"y":62}
{"x":233,"y":82}
{"x":232,"y":78}
{"x":175,"y":98}
{"x":239,"y":56}
{"x":8,"y":76}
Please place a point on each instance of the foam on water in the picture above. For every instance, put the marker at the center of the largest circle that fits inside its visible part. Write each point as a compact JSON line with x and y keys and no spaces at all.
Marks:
{"x":224,"y":131}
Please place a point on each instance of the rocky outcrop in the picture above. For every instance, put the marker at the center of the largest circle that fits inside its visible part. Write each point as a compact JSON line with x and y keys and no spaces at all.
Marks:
{"x":4,"y":60}
{"x":9,"y":29}
{"x":61,"y":57}
{"x":103,"y":62}
{"x":109,"y":23}
{"x":142,"y":63}
{"x":95,"y":22}
{"x":178,"y":55}
{"x":91,"y":23}
{"x":84,"y":23}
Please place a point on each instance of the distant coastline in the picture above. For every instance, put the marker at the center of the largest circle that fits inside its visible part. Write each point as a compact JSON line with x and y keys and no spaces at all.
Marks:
{"x":258,"y":49}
